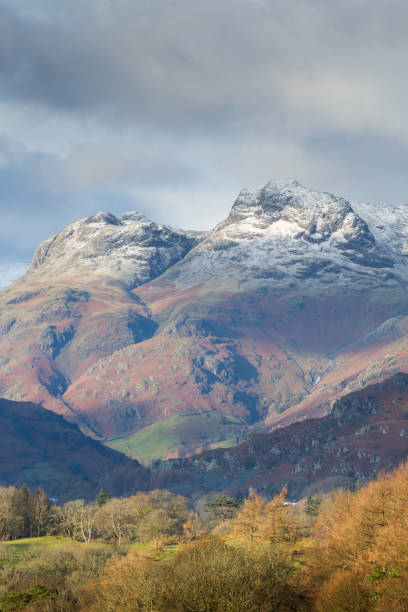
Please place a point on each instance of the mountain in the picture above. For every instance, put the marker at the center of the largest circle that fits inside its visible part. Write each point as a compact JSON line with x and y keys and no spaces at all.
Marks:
{"x":139,"y":332}
{"x":130,"y":249}
{"x":366,"y":432}
{"x":75,"y":304}
{"x":41,"y":449}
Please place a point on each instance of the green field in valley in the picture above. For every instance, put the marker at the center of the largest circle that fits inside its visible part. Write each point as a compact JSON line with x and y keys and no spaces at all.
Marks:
{"x":184,"y":433}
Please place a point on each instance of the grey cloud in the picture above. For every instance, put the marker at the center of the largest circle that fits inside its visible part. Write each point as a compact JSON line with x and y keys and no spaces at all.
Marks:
{"x":224,"y":63}
{"x":40,"y":193}
{"x":170,"y":107}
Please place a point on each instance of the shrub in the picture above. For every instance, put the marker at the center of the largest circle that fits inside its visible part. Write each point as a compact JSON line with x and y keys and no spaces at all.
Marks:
{"x":14,"y":600}
{"x":204,"y":575}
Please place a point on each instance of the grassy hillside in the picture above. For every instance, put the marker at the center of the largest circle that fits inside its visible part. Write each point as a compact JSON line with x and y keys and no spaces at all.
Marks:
{"x":179,"y":435}
{"x":21,"y":553}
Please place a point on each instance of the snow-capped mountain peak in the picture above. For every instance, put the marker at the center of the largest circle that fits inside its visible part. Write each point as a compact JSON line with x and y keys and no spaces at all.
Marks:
{"x":131,"y":249}
{"x":286,"y":231}
{"x":286,"y":208}
{"x":282,"y":230}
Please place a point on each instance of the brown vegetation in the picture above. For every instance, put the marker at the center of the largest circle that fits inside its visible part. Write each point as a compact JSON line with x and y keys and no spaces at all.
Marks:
{"x":362,"y":546}
{"x":150,"y":553}
{"x":206,"y":574}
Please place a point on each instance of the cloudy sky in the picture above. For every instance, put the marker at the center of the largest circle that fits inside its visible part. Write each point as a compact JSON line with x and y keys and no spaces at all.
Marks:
{"x":169,"y":107}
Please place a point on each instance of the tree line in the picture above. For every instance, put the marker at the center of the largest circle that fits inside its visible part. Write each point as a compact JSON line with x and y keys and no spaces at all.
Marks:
{"x":141,"y":517}
{"x":345,"y":551}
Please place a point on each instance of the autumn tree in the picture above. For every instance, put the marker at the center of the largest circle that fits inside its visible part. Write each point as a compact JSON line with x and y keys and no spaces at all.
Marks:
{"x":42,"y":512}
{"x":22,"y":511}
{"x":279,"y":524}
{"x":206,"y":574}
{"x":117,"y":520}
{"x":32,"y":513}
{"x":362,"y":545}
{"x":71,"y":518}
{"x":7,"y":518}
{"x":249,"y":518}
{"x":87,"y":520}
{"x":194,"y":527}
{"x":78,"y":520}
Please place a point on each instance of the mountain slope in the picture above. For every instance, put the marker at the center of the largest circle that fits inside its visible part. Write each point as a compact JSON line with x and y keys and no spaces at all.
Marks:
{"x":295,"y":299}
{"x":74,"y":305}
{"x":366,"y":432}
{"x":40,"y":449}
{"x":291,"y":301}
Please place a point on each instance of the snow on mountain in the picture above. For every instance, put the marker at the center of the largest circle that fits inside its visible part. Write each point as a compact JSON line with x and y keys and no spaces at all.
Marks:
{"x":282,"y":231}
{"x":131,"y":249}
{"x":297,"y":296}
{"x":291,"y":235}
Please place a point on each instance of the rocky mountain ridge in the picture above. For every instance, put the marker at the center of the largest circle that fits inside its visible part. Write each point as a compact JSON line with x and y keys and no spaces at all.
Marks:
{"x":131,"y":249}
{"x":292,"y":235}
{"x":295,"y":299}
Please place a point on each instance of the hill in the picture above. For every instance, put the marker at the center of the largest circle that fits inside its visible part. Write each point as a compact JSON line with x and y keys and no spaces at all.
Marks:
{"x":41,"y":449}
{"x":366,"y":433}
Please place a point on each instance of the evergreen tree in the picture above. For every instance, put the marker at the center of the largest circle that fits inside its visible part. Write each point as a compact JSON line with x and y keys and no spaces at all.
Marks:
{"x":224,"y":507}
{"x":102,"y":498}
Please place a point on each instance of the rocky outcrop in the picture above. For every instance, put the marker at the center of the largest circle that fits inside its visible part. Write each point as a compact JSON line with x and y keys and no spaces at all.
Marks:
{"x":130,"y":249}
{"x":288,"y":233}
{"x":364,"y":434}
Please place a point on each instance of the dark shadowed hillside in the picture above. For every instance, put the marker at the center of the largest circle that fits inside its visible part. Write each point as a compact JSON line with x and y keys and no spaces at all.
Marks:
{"x":41,"y":449}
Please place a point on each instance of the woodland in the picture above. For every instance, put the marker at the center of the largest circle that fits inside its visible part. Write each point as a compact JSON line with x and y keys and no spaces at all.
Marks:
{"x":347,"y":550}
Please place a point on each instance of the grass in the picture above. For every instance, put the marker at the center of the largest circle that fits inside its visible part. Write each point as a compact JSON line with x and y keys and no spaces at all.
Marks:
{"x":168,"y":552}
{"x":26,"y":549}
{"x":183,"y":431}
{"x":228,"y":443}
{"x":19,"y":552}
{"x":138,"y":546}
{"x":151,"y":551}
{"x":29,"y":548}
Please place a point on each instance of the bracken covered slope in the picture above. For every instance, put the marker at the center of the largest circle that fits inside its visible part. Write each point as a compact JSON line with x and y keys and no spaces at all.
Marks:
{"x":366,"y":432}
{"x":295,"y":299}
